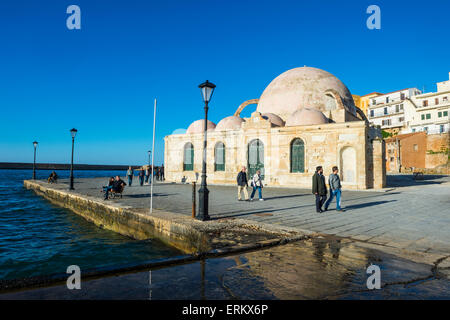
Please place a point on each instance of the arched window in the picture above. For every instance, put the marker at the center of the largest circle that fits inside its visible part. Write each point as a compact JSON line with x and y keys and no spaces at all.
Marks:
{"x":188,"y":159}
{"x":256,"y":157}
{"x":297,"y":155}
{"x":219,"y":157}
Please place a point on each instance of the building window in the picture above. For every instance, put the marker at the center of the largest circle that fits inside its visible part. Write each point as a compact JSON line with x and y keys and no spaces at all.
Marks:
{"x":416,"y":147}
{"x":297,"y":155}
{"x":445,"y":113}
{"x":439,"y":114}
{"x":371,"y":113}
{"x":425,"y":103}
{"x":386,"y":122}
{"x":397,"y":108}
{"x":402,"y":96}
{"x":425,"y":129}
{"x":422,"y":117}
{"x":401,"y":106}
{"x":392,"y":159}
{"x":428,"y":116}
{"x":374,"y":102}
{"x":441,"y":128}
{"x":219,"y":157}
{"x":414,"y":130}
{"x":445,"y":99}
{"x":256,"y":158}
{"x":401,"y":119}
{"x":436,"y":100}
{"x":188,"y":159}
{"x":385,"y":111}
{"x":387,"y":99}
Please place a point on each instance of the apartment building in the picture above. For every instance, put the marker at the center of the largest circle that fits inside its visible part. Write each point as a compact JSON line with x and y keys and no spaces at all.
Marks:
{"x":363,"y":102}
{"x":431,"y":111}
{"x":388,"y":110}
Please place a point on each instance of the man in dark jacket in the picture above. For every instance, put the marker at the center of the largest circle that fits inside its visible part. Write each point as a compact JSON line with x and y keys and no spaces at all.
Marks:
{"x":242,"y":183}
{"x":319,"y":189}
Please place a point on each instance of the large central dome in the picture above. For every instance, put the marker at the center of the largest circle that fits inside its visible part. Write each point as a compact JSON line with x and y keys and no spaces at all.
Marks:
{"x":305,"y":87}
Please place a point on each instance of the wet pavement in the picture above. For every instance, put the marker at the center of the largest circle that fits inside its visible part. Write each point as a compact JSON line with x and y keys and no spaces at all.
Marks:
{"x":409,"y":215}
{"x":318,"y":268}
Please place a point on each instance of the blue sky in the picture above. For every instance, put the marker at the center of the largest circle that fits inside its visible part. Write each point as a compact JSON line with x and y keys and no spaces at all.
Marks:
{"x":103,"y":78}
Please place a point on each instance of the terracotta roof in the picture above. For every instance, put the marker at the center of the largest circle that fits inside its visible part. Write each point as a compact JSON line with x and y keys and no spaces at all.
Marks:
{"x":369,"y":94}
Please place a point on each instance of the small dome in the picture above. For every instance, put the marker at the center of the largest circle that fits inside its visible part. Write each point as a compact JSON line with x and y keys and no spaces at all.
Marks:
{"x":274,"y":119}
{"x":306,"y":117}
{"x":198,"y":126}
{"x":230,"y":123}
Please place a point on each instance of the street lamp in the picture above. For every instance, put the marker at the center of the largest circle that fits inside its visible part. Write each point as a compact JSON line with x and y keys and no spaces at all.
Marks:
{"x":35,"y":143}
{"x":149,"y":154}
{"x":73,"y":132}
{"x":207,"y":89}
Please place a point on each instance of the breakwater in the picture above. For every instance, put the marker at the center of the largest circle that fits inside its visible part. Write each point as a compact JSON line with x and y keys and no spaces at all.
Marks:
{"x":189,"y":235}
{"x":61,"y":166}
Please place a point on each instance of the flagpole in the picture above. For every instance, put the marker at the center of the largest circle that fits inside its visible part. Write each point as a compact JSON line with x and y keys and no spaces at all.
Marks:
{"x":153,"y":156}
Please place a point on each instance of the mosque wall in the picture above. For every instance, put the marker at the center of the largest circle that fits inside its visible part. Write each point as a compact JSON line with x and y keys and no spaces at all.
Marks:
{"x":347,"y":145}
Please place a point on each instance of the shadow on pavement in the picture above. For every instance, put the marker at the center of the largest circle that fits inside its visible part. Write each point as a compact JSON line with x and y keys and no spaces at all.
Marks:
{"x":408,"y":180}
{"x":367,"y":204}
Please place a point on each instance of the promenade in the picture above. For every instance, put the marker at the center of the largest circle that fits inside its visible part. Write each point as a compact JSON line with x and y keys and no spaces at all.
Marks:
{"x":408,"y":215}
{"x":403,"y":229}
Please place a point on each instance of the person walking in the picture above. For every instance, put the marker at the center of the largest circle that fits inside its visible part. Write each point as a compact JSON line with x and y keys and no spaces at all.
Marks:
{"x":162,"y":173}
{"x":335,"y":189}
{"x":257,"y":185}
{"x":319,"y":189}
{"x":130,"y":176}
{"x":147,"y":174}
{"x":242,"y":183}
{"x":141,"y":176}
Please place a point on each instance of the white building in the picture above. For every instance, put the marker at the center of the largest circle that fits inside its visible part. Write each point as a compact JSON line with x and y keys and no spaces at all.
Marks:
{"x":431,"y":111}
{"x":388,"y":110}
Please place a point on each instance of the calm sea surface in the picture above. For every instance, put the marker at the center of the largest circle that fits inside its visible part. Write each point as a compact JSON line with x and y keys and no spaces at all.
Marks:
{"x":38,"y":238}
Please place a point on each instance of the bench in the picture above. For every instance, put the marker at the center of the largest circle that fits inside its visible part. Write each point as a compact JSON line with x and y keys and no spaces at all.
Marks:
{"x":115,"y":193}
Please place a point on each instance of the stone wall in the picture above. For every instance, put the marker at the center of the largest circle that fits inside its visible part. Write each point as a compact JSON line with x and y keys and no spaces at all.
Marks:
{"x":130,"y":223}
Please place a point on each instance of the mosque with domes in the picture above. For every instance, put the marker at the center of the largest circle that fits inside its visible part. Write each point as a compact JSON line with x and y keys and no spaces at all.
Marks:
{"x":305,"y":117}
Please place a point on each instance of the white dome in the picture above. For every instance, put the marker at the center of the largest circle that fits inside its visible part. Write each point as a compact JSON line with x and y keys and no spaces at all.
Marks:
{"x":198,"y":126}
{"x":274,"y":119}
{"x":230,"y":123}
{"x":304,"y":87}
{"x":306,"y":117}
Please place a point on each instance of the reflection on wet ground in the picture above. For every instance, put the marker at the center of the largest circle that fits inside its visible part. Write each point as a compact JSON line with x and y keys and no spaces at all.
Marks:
{"x":315,"y":269}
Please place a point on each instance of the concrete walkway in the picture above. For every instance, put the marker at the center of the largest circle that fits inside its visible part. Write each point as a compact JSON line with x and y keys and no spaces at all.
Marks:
{"x":411,"y":215}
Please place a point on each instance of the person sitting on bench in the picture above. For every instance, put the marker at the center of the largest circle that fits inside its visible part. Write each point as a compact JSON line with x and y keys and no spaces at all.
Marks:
{"x":53,"y":178}
{"x":117,"y":186}
{"x":107,"y":188}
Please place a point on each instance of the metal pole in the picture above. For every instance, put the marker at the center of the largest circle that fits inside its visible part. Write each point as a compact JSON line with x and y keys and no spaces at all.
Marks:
{"x":203,"y":191}
{"x":71,"y":167}
{"x":34,"y":164}
{"x":153,"y":157}
{"x":193,"y":199}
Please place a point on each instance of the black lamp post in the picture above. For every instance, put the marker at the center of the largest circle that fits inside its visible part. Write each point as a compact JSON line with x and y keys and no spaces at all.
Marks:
{"x":207,"y":89}
{"x":35,"y":143}
{"x":73,"y":132}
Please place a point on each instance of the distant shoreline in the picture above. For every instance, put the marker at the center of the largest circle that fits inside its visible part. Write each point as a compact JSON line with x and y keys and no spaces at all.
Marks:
{"x":62,"y":166}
